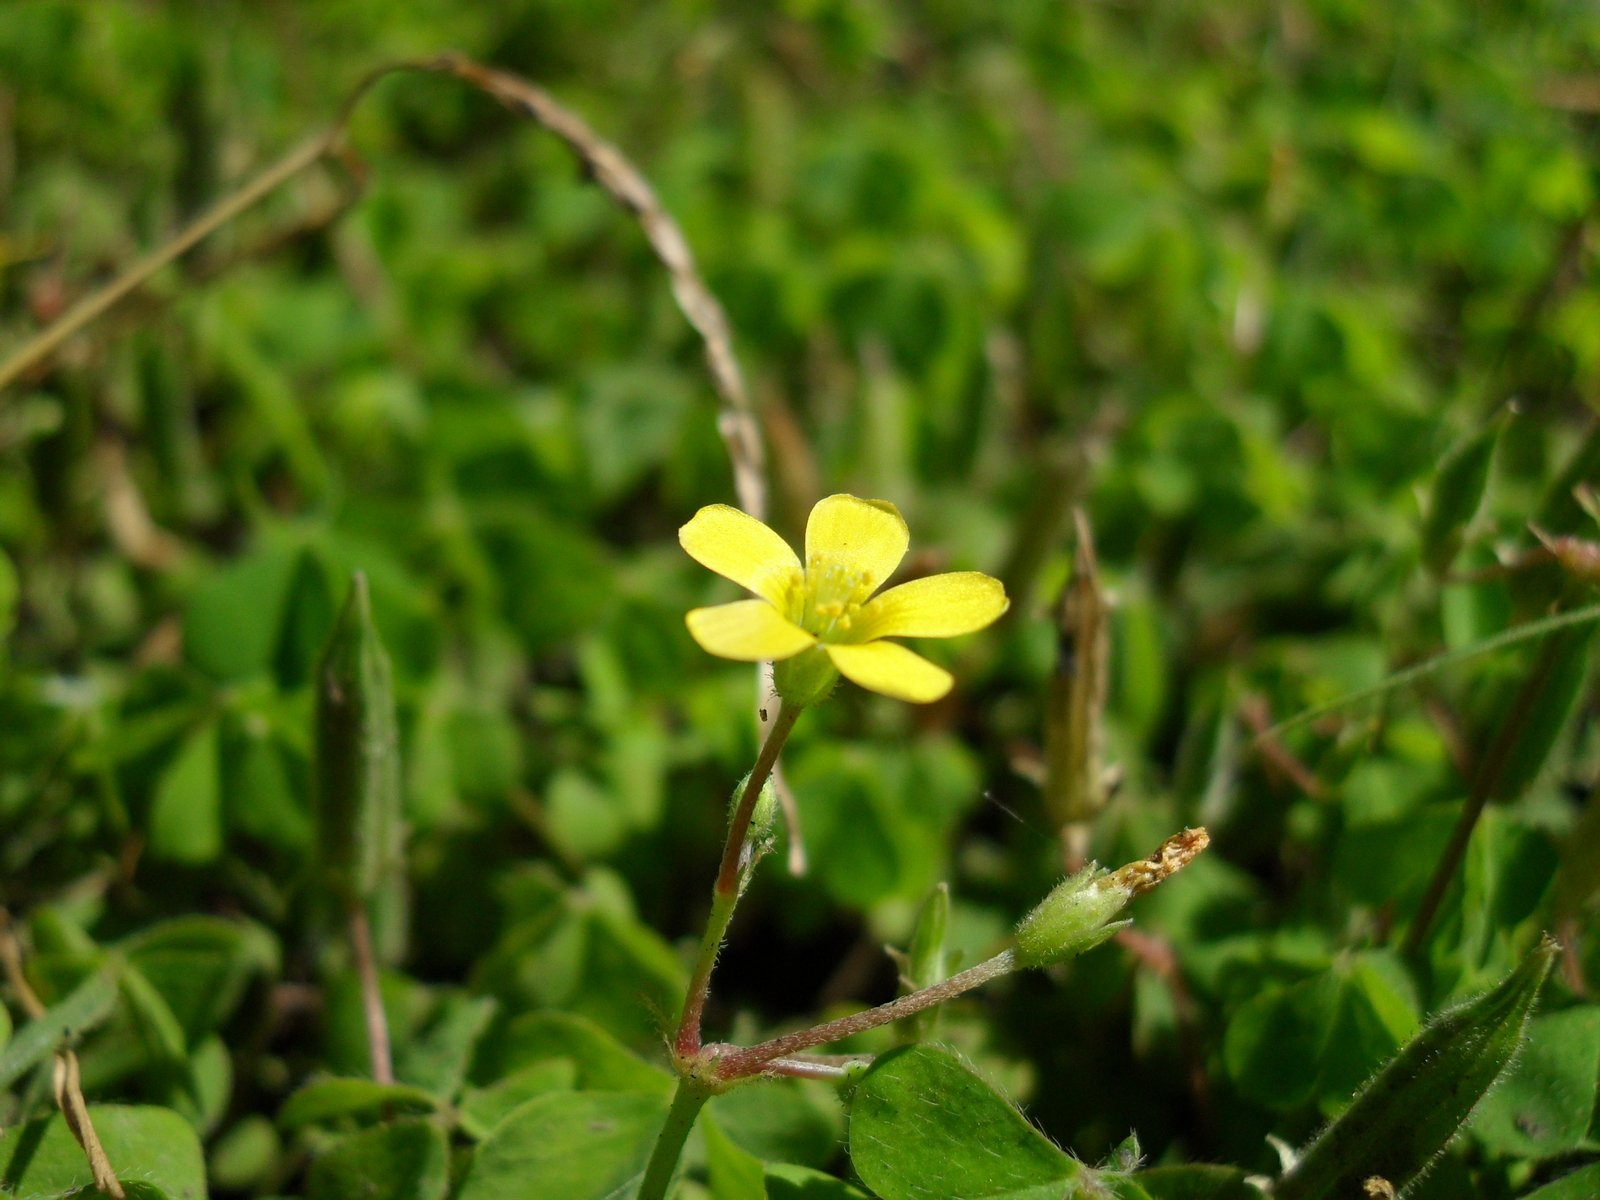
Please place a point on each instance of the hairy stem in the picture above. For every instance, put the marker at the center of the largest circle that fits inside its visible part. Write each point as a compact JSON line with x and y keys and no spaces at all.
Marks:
{"x":739,"y":826}
{"x":725,"y":895}
{"x":753,"y":1060}
{"x":687,"y":1041}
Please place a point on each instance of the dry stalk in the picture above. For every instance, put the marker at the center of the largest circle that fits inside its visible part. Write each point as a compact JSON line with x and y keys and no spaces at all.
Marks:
{"x":65,"y":1077}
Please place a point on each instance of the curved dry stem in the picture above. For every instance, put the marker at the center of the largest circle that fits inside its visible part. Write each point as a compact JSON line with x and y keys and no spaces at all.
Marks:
{"x":610,"y":169}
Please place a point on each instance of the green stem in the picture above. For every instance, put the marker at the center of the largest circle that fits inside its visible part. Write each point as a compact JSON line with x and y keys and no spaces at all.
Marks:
{"x":687,"y":1102}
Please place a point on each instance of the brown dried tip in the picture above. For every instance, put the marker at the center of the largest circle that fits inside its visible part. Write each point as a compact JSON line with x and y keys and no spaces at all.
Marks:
{"x":1177,"y":852}
{"x":1575,"y":556}
{"x":1376,"y":1187}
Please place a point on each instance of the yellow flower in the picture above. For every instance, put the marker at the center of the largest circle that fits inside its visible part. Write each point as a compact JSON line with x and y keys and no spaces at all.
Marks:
{"x":822,"y":620}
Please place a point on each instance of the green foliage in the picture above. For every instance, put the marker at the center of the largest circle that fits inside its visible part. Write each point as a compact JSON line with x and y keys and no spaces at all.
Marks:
{"x":406,"y":1159}
{"x":153,"y":1148}
{"x":923,"y":1125}
{"x":1412,"y":1108}
{"x":572,"y":1145}
{"x":1295,"y":301}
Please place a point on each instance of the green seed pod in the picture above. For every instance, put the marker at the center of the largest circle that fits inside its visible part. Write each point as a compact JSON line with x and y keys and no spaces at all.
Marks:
{"x":1077,"y":916}
{"x":925,"y":957}
{"x":357,"y":783}
{"x":924,"y":962}
{"x":1411,"y":1109}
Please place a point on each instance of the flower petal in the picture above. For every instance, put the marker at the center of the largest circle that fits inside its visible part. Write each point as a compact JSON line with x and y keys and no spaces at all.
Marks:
{"x":748,"y":630}
{"x":937,"y":606}
{"x":738,"y":547}
{"x":891,"y":669}
{"x":865,"y":536}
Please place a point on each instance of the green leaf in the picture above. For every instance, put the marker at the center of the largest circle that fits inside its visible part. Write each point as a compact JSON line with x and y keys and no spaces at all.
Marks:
{"x":203,"y":1093}
{"x":407,"y":1159}
{"x":157,"y":1028}
{"x":781,"y":1121}
{"x":788,"y":1182}
{"x":1530,"y":724}
{"x":1278,"y":1038}
{"x":734,"y":1174}
{"x":309,"y":608}
{"x":600,"y":1061}
{"x":186,"y":812}
{"x":575,"y":950}
{"x":200,"y":966}
{"x":8,"y":597}
{"x":231,"y":627}
{"x":325,"y":1100}
{"x":261,"y":798}
{"x":567,"y":1146}
{"x":1582,"y":1184}
{"x":154,"y":1146}
{"x":1543,"y":1105}
{"x":243,"y":1157}
{"x":1458,"y":488}
{"x":1197,"y":1182}
{"x":438,"y":1059}
{"x":481,"y":1109}
{"x":1412,"y":1108}
{"x":924,"y":1126}
{"x":90,"y":1003}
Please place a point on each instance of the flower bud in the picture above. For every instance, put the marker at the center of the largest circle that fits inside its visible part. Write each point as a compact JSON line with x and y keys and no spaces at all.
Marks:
{"x":357,"y":789}
{"x":760,"y":837}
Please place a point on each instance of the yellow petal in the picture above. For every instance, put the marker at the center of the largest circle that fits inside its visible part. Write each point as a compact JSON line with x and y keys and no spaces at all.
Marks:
{"x":738,"y":547}
{"x":938,"y":606}
{"x":891,"y":669}
{"x":868,"y":537}
{"x":748,"y":630}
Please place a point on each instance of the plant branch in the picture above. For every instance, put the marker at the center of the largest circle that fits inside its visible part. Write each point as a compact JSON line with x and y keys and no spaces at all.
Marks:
{"x":754,"y":1060}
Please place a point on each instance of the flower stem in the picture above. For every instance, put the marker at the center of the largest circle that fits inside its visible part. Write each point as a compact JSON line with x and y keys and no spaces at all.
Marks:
{"x":687,"y":1042}
{"x":739,"y":826}
{"x":752,"y":1060}
{"x":371,"y":996}
{"x":726,"y":893}
{"x":687,"y":1102}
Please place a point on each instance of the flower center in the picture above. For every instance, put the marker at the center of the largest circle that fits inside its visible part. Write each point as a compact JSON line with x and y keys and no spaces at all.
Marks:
{"x":834,"y":592}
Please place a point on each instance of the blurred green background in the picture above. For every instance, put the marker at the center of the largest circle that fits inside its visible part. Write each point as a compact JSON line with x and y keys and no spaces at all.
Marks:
{"x":1235,"y":278}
